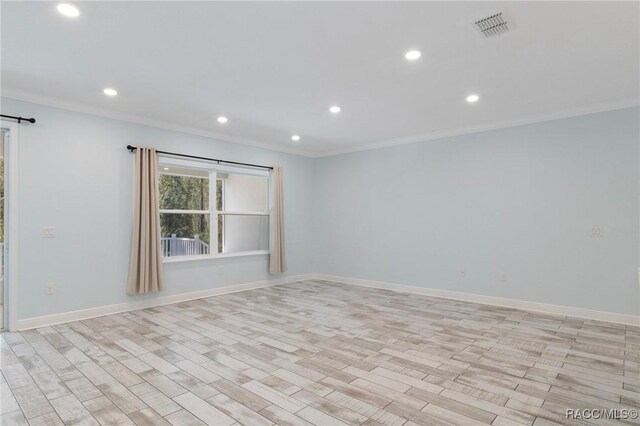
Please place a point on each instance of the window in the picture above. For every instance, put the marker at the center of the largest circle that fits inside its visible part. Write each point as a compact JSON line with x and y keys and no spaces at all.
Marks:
{"x":212,"y":211}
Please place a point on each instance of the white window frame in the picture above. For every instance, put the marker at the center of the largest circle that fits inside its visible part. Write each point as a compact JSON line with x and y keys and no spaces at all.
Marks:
{"x":213,"y":170}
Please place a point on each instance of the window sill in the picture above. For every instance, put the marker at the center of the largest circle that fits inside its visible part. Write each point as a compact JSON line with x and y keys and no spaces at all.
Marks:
{"x":178,"y":259}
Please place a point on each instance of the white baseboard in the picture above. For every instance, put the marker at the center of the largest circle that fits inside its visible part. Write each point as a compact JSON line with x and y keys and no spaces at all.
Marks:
{"x":490,"y":300}
{"x":46,"y":320}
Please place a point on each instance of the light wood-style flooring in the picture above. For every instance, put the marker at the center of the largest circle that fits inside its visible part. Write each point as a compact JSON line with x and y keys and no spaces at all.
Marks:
{"x":319,"y":353}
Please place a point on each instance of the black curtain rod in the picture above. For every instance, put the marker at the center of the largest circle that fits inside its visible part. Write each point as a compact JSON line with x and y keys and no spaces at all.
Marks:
{"x":215,"y":160}
{"x":20,"y":119}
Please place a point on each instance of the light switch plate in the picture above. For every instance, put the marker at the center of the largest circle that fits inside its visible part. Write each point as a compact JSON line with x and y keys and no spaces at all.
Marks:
{"x":48,"y":232}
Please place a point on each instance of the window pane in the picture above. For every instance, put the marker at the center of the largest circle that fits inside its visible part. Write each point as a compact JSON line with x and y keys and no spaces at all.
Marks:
{"x":184,"y":192}
{"x":220,"y":233}
{"x":219,"y":194}
{"x":245,"y":233}
{"x":220,"y":207}
{"x":184,"y":234}
{"x":245,"y":193}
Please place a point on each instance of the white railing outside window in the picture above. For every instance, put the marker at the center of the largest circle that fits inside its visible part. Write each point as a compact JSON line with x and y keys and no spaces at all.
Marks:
{"x":173,"y":246}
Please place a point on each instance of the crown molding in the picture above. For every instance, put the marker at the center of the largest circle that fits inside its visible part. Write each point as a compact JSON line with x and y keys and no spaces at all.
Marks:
{"x":145,"y":121}
{"x":574,"y":112}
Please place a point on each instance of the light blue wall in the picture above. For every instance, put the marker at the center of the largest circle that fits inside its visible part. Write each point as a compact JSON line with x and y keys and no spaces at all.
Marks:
{"x":520,"y":201}
{"x":76,"y":175}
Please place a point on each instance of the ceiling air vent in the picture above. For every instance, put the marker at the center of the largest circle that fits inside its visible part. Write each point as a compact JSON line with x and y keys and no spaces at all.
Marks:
{"x":493,"y":25}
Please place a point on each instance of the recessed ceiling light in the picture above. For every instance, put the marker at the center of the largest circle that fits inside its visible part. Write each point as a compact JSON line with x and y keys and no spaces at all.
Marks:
{"x":165,"y":168}
{"x":335,"y":109}
{"x":110,"y":92}
{"x":472,"y":98}
{"x":295,"y":138}
{"x":412,"y":55}
{"x":222,"y":119}
{"x":68,"y":10}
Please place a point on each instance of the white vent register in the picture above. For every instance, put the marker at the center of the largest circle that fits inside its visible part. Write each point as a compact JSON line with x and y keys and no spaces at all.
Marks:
{"x":493,"y":25}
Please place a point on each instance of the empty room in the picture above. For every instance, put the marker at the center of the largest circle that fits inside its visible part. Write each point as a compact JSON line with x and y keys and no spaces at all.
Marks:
{"x":319,"y":213}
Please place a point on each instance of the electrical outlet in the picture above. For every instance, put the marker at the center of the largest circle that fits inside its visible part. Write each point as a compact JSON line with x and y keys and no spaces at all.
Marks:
{"x":503,"y":277}
{"x":596,"y":232}
{"x":48,"y":232}
{"x":49,"y":289}
{"x":463,"y":273}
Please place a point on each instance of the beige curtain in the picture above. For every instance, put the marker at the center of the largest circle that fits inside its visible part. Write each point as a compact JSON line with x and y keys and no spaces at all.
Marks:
{"x":145,"y":267}
{"x":277,"y":262}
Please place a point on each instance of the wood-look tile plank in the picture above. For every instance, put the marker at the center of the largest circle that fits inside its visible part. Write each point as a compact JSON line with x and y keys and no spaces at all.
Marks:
{"x":50,"y":384}
{"x":163,"y":383}
{"x":242,"y":395}
{"x":405,"y":399}
{"x":8,"y":402}
{"x":195,"y":370}
{"x":414,"y":415}
{"x":278,"y":398}
{"x":14,"y":418}
{"x":158,"y":363}
{"x":367,"y":410}
{"x":155,"y":399}
{"x":81,"y":387}
{"x":452,"y":405}
{"x":282,"y":417}
{"x":239,"y":412}
{"x":181,"y":381}
{"x":72,"y":412}
{"x":106,"y":413}
{"x":148,"y":417}
{"x":122,"y":397}
{"x":206,"y":412}
{"x":317,"y":417}
{"x":49,"y":419}
{"x":184,"y":418}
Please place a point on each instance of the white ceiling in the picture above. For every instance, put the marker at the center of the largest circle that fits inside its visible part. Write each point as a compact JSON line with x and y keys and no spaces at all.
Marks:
{"x":274,"y":68}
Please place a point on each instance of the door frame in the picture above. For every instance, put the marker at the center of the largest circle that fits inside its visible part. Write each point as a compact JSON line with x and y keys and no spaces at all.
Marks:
{"x":11,"y":224}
